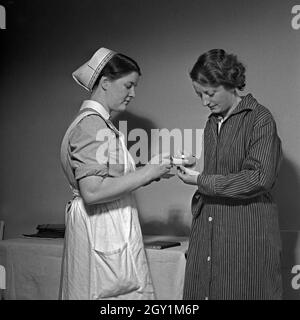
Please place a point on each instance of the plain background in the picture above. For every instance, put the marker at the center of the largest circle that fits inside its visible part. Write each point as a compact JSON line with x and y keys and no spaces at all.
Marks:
{"x":45,"y":41}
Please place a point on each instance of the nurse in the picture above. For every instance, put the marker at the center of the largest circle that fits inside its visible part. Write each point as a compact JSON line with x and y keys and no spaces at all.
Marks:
{"x":104,"y":257}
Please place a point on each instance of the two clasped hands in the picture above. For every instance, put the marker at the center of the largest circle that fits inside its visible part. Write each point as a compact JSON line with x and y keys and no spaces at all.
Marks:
{"x":160,"y":165}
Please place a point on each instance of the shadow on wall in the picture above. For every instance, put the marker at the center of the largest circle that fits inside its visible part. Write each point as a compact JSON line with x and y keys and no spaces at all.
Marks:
{"x":174,"y":226}
{"x":135,"y":122}
{"x":287,"y":194}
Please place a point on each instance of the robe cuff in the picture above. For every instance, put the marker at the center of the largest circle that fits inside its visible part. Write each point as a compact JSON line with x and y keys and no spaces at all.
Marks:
{"x":206,"y":184}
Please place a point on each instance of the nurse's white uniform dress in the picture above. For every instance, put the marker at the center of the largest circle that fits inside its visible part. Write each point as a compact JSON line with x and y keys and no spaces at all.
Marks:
{"x":104,"y":256}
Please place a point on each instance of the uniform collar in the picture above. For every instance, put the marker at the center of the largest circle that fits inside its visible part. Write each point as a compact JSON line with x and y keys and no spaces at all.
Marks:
{"x":92,"y":104}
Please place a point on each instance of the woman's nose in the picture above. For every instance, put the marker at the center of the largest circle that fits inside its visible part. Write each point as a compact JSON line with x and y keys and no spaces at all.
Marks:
{"x":205,"y":100}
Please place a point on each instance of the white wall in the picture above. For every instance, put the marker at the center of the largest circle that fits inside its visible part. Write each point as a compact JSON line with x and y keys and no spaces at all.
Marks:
{"x":43,"y":44}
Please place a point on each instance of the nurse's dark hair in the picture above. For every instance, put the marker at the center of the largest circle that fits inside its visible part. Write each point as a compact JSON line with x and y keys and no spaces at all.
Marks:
{"x":217,"y":67}
{"x":117,"y":67}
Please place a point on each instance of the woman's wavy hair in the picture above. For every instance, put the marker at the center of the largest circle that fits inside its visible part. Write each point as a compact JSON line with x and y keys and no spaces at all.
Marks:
{"x":217,"y":67}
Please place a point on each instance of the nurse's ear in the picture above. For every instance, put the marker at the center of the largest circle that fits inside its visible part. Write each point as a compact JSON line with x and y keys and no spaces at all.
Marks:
{"x":104,"y":83}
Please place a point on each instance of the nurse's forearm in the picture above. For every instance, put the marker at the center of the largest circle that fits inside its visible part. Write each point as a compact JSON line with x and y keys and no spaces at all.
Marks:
{"x":95,"y":189}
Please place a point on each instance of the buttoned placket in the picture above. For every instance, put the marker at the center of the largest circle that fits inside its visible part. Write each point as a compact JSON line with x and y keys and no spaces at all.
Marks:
{"x":209,"y":254}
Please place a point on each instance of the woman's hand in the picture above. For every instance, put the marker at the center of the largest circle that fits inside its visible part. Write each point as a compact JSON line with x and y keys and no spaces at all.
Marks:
{"x":157,"y":167}
{"x":185,"y":175}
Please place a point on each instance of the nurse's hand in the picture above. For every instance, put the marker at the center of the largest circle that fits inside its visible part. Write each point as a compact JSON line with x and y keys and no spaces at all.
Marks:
{"x":157,"y":167}
{"x":187,"y":176}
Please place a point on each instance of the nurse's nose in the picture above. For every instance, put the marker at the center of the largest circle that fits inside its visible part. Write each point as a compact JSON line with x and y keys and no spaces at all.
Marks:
{"x":132,"y":92}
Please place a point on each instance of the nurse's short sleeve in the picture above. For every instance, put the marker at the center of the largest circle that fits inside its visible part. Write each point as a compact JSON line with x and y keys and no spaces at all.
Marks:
{"x":89,"y":142}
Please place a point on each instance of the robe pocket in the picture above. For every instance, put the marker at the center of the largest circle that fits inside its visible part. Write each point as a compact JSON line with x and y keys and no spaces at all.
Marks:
{"x":115,"y":273}
{"x":197,"y":204}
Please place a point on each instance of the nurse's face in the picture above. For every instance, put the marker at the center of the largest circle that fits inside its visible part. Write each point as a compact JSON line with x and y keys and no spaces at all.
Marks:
{"x":121,"y":91}
{"x":218,"y":99}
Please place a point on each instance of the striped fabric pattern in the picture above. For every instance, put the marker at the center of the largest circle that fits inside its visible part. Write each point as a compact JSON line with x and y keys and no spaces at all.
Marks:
{"x":235,"y":245}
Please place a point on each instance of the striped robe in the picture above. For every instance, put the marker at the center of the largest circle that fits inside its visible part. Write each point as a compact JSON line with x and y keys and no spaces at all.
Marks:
{"x":235,"y":246}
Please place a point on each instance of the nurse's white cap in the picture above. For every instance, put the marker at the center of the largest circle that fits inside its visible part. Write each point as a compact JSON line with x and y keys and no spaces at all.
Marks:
{"x":87,"y":74}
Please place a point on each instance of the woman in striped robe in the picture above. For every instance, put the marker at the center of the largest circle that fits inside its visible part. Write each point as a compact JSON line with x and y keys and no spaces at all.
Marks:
{"x":235,"y":246}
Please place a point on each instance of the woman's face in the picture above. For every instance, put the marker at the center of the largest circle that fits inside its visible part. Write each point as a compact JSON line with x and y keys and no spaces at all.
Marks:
{"x":218,"y":99}
{"x":121,"y":91}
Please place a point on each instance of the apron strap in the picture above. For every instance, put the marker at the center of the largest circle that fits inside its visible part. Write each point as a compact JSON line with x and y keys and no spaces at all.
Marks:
{"x":65,"y":146}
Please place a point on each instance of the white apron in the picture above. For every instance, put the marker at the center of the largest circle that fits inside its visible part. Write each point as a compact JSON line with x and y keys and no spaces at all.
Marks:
{"x":104,"y":256}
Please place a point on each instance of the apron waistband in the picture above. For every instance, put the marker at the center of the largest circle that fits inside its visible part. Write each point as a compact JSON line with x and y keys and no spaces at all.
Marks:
{"x":75,"y":192}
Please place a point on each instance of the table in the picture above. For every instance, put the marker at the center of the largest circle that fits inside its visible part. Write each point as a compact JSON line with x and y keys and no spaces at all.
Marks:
{"x":33,"y":267}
